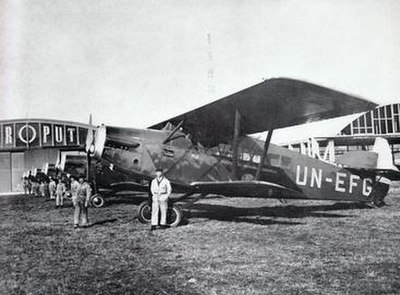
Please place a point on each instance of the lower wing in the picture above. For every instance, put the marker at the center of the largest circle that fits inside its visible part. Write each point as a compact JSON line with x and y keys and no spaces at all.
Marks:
{"x":246,"y":189}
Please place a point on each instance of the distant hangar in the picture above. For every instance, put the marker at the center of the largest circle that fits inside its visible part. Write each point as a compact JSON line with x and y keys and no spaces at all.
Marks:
{"x":26,"y":144}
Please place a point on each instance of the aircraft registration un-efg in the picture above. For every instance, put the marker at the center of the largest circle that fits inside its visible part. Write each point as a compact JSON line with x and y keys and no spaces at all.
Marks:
{"x":209,"y":151}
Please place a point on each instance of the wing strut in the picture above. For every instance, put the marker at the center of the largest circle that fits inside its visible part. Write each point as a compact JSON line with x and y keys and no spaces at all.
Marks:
{"x":264,"y":154}
{"x":235,"y":144}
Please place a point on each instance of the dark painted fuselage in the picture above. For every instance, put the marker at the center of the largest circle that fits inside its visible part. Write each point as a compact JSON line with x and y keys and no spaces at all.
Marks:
{"x":138,"y":152}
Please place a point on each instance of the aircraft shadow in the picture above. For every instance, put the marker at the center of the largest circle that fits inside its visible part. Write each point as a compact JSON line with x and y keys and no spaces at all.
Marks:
{"x":257,"y":215}
{"x":124,"y":199}
{"x":101,"y":222}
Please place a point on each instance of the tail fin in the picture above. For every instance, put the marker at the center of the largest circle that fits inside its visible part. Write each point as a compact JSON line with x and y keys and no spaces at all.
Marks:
{"x":385,"y":158}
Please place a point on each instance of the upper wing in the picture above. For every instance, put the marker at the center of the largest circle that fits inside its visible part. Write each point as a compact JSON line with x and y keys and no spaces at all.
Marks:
{"x":274,"y":103}
{"x":245,"y":189}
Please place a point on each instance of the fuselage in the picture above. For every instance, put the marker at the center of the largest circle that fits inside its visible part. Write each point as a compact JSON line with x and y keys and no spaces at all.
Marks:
{"x":139,"y":152}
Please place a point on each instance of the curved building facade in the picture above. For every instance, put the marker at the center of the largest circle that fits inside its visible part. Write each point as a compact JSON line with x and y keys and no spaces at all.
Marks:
{"x":359,"y":134}
{"x":383,"y":120}
{"x":29,"y":144}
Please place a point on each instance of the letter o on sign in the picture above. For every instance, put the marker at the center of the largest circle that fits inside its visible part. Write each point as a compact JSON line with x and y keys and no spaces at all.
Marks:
{"x":23,"y":134}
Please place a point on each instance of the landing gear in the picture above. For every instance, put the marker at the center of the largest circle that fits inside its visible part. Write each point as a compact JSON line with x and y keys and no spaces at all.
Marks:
{"x":174,"y":214}
{"x":68,"y":196}
{"x":97,"y":201}
{"x":379,"y":193}
{"x":145,"y":212}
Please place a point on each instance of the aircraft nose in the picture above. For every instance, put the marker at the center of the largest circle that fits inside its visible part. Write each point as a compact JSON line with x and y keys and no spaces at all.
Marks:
{"x":89,"y":137}
{"x":97,"y":147}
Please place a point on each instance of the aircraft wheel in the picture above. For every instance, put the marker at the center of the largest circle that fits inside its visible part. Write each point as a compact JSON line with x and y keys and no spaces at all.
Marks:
{"x":145,"y":212}
{"x":97,"y":201}
{"x":174,"y":214}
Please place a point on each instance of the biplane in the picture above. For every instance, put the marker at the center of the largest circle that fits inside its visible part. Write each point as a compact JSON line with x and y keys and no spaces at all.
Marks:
{"x":209,"y":150}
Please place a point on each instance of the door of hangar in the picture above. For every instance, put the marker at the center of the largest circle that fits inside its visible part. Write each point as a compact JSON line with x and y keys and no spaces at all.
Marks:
{"x":18,"y":168}
{"x":5,"y":172}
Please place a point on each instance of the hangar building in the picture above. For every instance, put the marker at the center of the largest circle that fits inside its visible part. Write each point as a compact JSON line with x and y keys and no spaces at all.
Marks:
{"x":26,"y":144}
{"x":360,"y":134}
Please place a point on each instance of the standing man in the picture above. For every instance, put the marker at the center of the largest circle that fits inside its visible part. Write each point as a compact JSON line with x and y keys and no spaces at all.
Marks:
{"x":60,"y":191}
{"x":80,"y":200}
{"x":27,"y":185}
{"x":161,"y":190}
{"x":52,"y":188}
{"x":74,"y":187}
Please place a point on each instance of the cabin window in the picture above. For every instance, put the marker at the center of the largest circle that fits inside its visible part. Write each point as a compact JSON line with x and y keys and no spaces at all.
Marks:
{"x":286,"y":162}
{"x":180,"y":141}
{"x":274,"y":159}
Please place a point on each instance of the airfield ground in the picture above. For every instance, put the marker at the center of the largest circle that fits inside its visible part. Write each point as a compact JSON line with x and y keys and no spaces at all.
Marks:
{"x":227,"y":246}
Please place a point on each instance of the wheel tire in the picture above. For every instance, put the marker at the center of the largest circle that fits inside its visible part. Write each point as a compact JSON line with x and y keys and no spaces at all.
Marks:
{"x":145,"y":212}
{"x":97,"y":201}
{"x":174,"y":214}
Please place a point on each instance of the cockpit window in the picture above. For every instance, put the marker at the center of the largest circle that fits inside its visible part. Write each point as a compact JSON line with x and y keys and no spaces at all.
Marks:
{"x":181,"y":141}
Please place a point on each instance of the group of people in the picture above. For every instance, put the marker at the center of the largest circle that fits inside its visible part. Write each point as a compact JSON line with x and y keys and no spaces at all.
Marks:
{"x":58,"y":189}
{"x":41,"y":185}
{"x":80,"y":193}
{"x":35,"y":186}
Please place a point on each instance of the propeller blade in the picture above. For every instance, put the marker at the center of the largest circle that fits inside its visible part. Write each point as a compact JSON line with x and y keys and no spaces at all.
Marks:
{"x":88,"y":160}
{"x":88,"y":146}
{"x":89,"y":135}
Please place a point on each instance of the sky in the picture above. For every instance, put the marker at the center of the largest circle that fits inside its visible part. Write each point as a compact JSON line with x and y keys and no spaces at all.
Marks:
{"x":135,"y":63}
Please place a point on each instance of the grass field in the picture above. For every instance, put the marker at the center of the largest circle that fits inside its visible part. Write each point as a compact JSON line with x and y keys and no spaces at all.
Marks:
{"x":226,"y":246}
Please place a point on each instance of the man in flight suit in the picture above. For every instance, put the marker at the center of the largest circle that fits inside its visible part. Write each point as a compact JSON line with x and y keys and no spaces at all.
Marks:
{"x":60,"y":191}
{"x":52,"y":188}
{"x":80,"y":198}
{"x":161,"y":190}
{"x":74,"y":186}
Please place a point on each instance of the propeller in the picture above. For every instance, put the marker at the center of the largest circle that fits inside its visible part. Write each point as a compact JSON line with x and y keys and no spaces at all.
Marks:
{"x":89,"y":147}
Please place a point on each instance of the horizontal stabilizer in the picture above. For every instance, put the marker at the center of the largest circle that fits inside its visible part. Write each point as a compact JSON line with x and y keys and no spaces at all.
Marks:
{"x":358,"y":160}
{"x":379,"y":161}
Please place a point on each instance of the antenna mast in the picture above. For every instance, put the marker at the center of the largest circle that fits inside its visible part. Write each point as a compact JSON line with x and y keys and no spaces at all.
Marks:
{"x":210,"y":69}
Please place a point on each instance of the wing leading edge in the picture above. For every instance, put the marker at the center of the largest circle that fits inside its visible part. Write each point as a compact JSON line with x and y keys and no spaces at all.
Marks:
{"x":274,"y":103}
